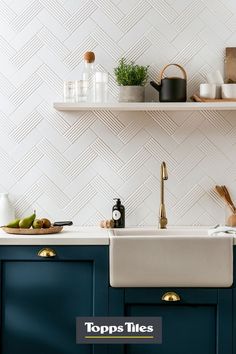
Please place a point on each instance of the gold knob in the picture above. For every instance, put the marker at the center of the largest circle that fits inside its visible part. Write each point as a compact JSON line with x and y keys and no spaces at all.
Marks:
{"x":170,"y":296}
{"x":47,"y":253}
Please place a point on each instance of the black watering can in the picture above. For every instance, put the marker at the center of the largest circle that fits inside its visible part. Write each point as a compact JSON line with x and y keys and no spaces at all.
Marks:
{"x":172,"y":89}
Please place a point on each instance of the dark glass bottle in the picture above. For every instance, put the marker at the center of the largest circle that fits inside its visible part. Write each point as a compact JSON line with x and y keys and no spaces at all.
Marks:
{"x":118,"y":214}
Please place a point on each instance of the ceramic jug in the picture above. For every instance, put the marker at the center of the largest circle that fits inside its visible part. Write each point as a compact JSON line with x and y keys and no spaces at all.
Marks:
{"x":7,"y":212}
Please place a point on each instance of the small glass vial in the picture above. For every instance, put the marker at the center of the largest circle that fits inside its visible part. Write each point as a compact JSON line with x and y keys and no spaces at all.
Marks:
{"x":88,"y":75}
{"x":81,"y":90}
{"x":100,"y":87}
{"x":69,"y":91}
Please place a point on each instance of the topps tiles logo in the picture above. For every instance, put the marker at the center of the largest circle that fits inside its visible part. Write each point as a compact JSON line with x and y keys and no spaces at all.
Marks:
{"x":121,"y":330}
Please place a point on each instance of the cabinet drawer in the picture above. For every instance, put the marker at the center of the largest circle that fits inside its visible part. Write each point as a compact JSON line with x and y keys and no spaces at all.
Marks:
{"x":155,"y":296}
{"x":200,"y":322}
{"x":62,"y":253}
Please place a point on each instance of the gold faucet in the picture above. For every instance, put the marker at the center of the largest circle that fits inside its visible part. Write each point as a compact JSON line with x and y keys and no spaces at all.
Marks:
{"x":162,"y":213}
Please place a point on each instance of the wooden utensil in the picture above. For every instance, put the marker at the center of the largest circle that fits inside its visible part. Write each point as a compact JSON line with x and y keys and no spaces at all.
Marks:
{"x":50,"y":230}
{"x":220,"y":190}
{"x":228,"y":197}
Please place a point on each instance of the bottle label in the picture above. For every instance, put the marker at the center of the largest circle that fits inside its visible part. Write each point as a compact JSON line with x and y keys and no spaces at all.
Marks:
{"x":116,"y":215}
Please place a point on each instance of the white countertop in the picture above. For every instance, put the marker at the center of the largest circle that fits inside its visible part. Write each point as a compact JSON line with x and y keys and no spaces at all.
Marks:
{"x":72,"y":235}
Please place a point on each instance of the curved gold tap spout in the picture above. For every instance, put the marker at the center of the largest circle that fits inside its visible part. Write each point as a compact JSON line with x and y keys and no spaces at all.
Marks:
{"x":162,"y":213}
{"x":164,"y":172}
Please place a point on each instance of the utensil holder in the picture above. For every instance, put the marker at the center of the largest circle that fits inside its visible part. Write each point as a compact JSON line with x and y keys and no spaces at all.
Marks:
{"x":230,"y":217}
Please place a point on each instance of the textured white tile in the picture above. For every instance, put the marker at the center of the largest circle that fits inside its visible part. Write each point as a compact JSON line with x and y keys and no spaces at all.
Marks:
{"x":57,"y":28}
{"x":78,"y":165}
{"x":48,"y":150}
{"x":27,"y":15}
{"x":6,"y":47}
{"x":107,"y":24}
{"x":26,"y":90}
{"x":76,"y":56}
{"x":73,"y":164}
{"x":27,"y":200}
{"x":46,"y":130}
{"x":138,"y":49}
{"x":107,"y":171}
{"x":111,"y":11}
{"x":26,"y":163}
{"x":134,"y":15}
{"x":134,"y":164}
{"x":109,"y":138}
{"x":80,"y":200}
{"x":157,"y":151}
{"x":188,"y":15}
{"x":135,"y":199}
{"x":188,"y":164}
{"x":109,"y":119}
{"x":128,"y":150}
{"x":104,"y":40}
{"x":56,"y":10}
{"x":27,"y":52}
{"x":107,"y":154}
{"x":22,"y":38}
{"x":21,"y":131}
{"x":53,"y":192}
{"x":80,"y":16}
{"x":6,"y":87}
{"x":53,"y":43}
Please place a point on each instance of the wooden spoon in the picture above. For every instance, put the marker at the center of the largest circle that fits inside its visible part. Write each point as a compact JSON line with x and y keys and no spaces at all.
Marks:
{"x":228,"y":197}
{"x":221,"y":193}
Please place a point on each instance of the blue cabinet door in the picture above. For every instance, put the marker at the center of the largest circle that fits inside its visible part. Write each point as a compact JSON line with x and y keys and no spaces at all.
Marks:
{"x":40,"y":298}
{"x":201,"y":322}
{"x":234,"y":304}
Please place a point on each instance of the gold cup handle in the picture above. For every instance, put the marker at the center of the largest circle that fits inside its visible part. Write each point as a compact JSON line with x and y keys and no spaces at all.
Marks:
{"x":47,"y":253}
{"x":170,"y":296}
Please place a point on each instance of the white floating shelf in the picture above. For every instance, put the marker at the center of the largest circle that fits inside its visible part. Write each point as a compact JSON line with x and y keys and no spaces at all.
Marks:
{"x":146,"y":106}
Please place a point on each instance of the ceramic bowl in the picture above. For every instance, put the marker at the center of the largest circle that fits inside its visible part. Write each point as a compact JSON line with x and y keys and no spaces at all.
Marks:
{"x":228,"y":91}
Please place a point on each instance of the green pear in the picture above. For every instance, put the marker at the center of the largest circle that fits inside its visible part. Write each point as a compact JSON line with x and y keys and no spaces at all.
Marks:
{"x":14,"y":224}
{"x":26,"y":223}
{"x":37,"y":224}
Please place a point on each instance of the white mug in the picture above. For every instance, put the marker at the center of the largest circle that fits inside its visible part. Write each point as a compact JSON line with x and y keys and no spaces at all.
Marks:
{"x":216,"y":78}
{"x":228,"y":90}
{"x":208,"y":90}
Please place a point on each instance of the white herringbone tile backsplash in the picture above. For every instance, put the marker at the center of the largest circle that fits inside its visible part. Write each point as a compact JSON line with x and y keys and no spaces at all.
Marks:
{"x":71,"y":165}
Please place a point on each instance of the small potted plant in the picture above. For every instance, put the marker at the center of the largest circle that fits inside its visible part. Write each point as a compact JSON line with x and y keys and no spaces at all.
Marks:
{"x":131,"y":79}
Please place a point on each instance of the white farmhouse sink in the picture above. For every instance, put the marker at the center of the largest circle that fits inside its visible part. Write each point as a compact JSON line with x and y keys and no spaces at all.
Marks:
{"x":160,"y":232}
{"x":173,"y":258}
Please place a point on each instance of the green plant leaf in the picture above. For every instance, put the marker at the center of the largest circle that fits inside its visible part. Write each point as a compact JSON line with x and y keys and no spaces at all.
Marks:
{"x":130,"y":74}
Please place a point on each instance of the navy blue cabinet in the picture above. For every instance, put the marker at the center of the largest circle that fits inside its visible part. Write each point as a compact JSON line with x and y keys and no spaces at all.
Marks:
{"x":201,"y":322}
{"x":40,"y":298}
{"x":234,"y":304}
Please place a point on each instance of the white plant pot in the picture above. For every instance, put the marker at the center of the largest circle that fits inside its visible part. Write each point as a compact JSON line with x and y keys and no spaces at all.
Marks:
{"x":131,"y":94}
